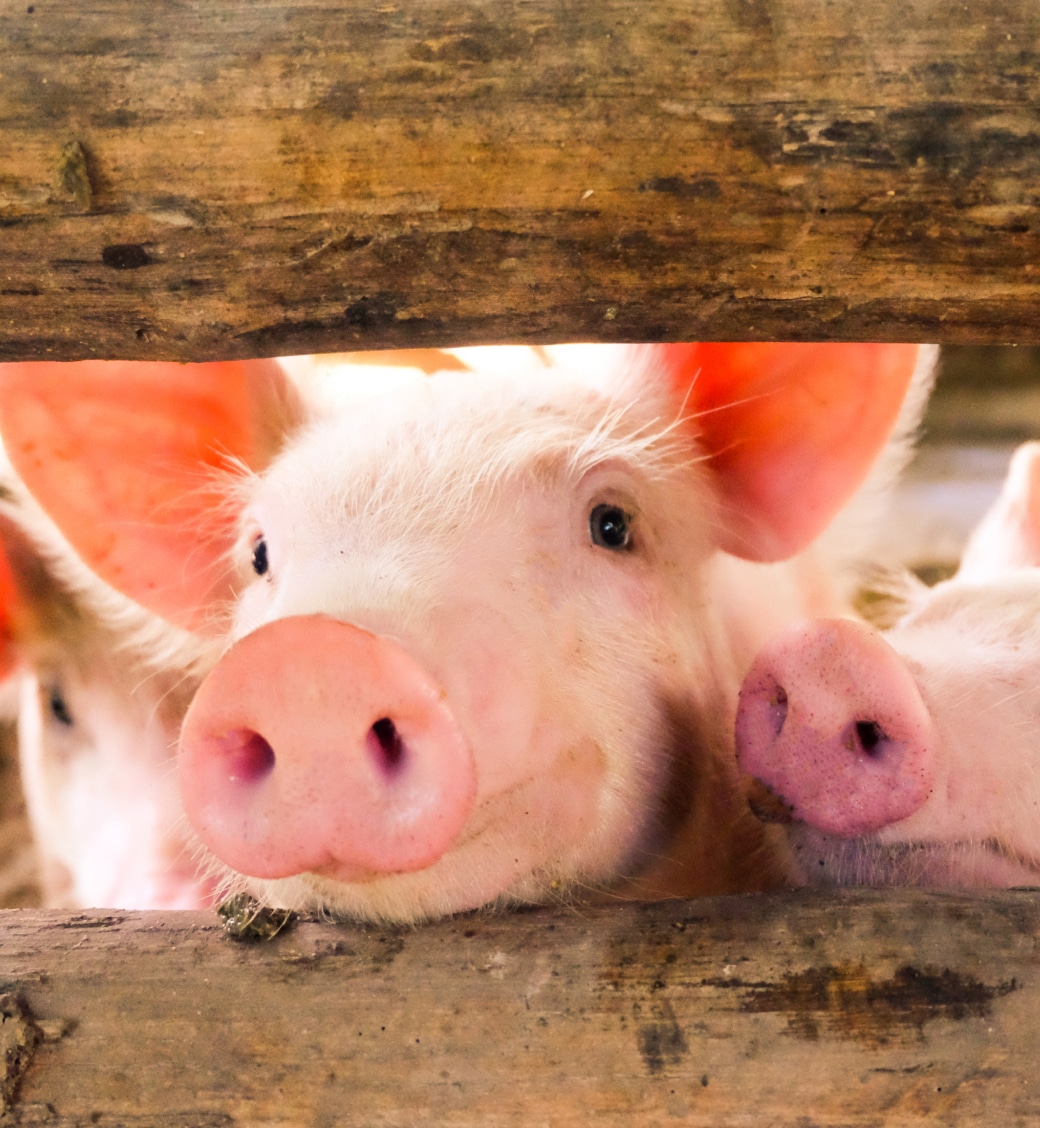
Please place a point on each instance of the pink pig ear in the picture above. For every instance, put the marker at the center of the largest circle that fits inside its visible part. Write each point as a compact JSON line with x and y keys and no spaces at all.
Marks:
{"x":790,"y":430}
{"x":124,"y":457}
{"x":8,"y":615}
{"x":1009,"y":534}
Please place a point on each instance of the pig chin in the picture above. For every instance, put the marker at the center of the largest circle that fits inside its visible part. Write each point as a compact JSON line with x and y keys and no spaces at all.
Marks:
{"x":535,"y":842}
{"x":654,"y":813}
{"x":824,"y":859}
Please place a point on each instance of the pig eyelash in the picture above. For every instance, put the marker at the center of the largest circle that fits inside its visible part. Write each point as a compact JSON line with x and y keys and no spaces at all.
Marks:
{"x":659,"y":448}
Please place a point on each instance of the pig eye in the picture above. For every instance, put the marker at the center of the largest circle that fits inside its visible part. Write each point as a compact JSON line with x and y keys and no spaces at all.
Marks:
{"x":609,"y":527}
{"x":260,"y":556}
{"x":59,"y":706}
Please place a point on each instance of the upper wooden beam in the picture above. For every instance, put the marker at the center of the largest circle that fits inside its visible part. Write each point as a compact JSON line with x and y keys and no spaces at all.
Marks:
{"x":198,"y":179}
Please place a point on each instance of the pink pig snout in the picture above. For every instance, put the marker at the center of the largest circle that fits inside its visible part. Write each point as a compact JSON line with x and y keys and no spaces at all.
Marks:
{"x":831,"y":721}
{"x":314,"y":746}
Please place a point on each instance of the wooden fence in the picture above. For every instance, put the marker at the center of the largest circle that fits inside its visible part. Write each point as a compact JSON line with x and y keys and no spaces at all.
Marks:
{"x":807,"y":1009}
{"x":197,"y":179}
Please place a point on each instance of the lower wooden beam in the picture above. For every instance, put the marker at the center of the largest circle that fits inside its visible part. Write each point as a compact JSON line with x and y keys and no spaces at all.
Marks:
{"x":806,"y":1008}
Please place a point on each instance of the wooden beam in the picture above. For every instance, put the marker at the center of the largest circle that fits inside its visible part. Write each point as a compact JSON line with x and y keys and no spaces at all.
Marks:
{"x":242,"y":177}
{"x":808,"y":1008}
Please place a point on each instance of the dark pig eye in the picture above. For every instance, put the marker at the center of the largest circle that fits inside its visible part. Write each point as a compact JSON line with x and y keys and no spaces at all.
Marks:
{"x":260,"y":556}
{"x":59,"y":706}
{"x":609,"y":527}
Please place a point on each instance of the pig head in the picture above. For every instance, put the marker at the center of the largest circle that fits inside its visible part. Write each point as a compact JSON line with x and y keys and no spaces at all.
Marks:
{"x":97,"y":725}
{"x":477,"y":641}
{"x":913,"y":756}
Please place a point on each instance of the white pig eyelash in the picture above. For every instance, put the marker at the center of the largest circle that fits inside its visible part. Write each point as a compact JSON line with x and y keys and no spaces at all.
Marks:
{"x":654,"y":446}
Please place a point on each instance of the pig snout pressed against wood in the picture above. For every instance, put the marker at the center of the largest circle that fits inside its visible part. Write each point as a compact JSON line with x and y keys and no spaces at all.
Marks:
{"x":913,"y":755}
{"x":479,"y":640}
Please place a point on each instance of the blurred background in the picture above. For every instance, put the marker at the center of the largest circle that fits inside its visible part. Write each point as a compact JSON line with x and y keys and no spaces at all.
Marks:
{"x":986,"y":402}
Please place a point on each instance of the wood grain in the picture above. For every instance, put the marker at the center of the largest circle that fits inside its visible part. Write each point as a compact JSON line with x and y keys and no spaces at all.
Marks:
{"x":196,"y":179}
{"x":809,"y":1009}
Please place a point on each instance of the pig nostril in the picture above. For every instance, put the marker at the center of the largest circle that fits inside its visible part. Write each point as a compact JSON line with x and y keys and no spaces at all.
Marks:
{"x":247,"y":755}
{"x":385,"y":743}
{"x":778,"y":709}
{"x":865,"y":736}
{"x":870,"y":736}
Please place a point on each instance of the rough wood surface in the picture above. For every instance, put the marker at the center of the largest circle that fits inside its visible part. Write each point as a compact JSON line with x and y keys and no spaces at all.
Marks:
{"x":204,"y":178}
{"x":808,"y":1009}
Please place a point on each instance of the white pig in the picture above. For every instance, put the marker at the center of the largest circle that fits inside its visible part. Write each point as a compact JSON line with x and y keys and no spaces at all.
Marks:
{"x":97,"y":727}
{"x":100,"y":691}
{"x":476,"y":641}
{"x":913,"y":756}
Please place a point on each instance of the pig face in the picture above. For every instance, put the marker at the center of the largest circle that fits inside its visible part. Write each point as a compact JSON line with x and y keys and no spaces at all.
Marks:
{"x":536,"y":565}
{"x":477,"y":641}
{"x":97,"y":739}
{"x":97,"y":730}
{"x":911,"y":757}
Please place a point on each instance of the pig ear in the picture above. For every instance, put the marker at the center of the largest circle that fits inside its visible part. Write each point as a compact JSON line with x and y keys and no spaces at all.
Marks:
{"x":790,"y":430}
{"x":124,"y":457}
{"x":1009,"y":534}
{"x":8,"y":613}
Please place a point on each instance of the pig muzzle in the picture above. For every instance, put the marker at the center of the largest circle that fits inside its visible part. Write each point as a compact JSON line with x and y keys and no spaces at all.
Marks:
{"x":831,"y":721}
{"x":316,"y":747}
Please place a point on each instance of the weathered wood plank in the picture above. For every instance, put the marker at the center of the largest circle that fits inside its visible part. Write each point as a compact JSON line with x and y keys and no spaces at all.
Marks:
{"x":808,"y":1009}
{"x":204,"y":178}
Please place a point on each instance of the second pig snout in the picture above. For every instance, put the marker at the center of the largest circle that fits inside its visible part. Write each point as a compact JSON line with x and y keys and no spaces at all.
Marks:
{"x":315,"y":746}
{"x":831,"y":721}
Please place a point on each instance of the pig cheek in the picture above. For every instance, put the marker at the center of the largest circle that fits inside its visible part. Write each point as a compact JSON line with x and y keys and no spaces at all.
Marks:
{"x":494,"y":674}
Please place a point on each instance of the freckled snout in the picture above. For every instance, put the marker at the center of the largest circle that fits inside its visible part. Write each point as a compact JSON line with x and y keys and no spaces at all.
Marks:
{"x":314,"y":746}
{"x":832,"y":723}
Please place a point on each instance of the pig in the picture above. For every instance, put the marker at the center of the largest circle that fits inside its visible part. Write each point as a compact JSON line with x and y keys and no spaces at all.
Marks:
{"x":476,"y":642}
{"x":910,"y":756}
{"x":97,"y":728}
{"x":97,"y":722}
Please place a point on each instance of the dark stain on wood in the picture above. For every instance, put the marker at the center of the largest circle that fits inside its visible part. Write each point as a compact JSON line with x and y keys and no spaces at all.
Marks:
{"x":754,"y":15}
{"x":661,"y":1041}
{"x":19,"y":1037}
{"x":343,"y":100}
{"x":125,"y":256}
{"x":850,"y":1003}
{"x":73,"y":174}
{"x":371,"y":312}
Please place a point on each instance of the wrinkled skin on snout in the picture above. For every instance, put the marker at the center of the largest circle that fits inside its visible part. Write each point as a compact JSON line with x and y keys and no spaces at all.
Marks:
{"x":913,"y":756}
{"x":478,"y":641}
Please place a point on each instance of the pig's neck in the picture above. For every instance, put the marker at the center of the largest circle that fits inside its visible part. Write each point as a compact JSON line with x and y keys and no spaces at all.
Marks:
{"x":718,"y":846}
